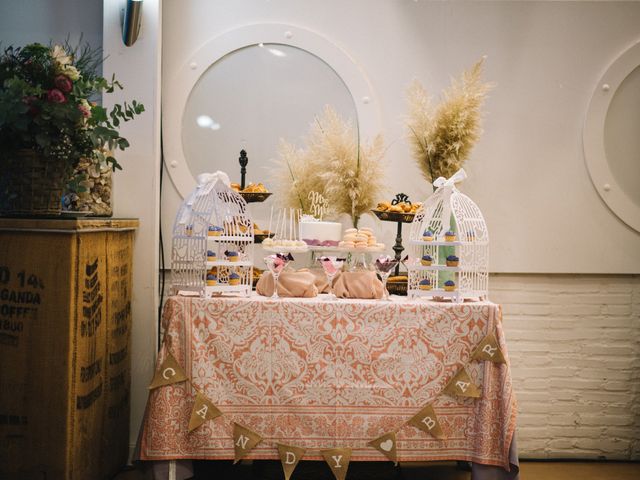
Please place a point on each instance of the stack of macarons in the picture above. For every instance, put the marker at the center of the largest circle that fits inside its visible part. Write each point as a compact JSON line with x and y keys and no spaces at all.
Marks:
{"x":362,"y":239}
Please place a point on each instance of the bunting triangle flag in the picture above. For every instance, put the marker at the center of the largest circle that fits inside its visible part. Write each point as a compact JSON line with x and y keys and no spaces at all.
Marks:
{"x":244,"y":440}
{"x":461,"y":385}
{"x":289,"y":457}
{"x":489,"y":349}
{"x":338,"y":461}
{"x":203,"y":410}
{"x":427,"y":421}
{"x":387,"y":445}
{"x":169,"y":372}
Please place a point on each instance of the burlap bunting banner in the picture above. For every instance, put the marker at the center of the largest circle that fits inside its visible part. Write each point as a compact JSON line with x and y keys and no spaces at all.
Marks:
{"x":203,"y":410}
{"x":462,"y":386}
{"x":243,"y":441}
{"x":387,"y":445}
{"x":489,"y":349}
{"x":427,"y":421}
{"x":338,"y":461}
{"x":289,"y":457}
{"x":169,"y":372}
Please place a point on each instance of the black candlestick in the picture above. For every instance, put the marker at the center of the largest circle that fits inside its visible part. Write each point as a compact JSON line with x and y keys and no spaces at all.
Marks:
{"x":243,"y":167}
{"x":398,"y":248}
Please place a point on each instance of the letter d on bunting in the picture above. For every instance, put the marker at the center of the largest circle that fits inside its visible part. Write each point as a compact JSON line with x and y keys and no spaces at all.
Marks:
{"x":169,"y":372}
{"x":338,"y":461}
{"x":289,"y":457}
{"x":243,"y":441}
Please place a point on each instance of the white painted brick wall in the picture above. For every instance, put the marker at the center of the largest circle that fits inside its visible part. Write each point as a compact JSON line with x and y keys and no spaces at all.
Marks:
{"x":574,"y":346}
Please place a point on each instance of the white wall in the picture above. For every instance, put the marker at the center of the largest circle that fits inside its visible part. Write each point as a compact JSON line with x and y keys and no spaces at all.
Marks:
{"x":136,"y":188}
{"x":527,"y":173}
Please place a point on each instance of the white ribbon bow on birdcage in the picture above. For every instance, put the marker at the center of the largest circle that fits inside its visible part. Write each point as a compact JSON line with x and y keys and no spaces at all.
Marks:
{"x":445,"y":187}
{"x":206,"y":181}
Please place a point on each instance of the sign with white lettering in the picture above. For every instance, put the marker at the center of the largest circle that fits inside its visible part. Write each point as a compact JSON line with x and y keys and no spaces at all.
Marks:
{"x":461,"y":385}
{"x":169,"y":372}
{"x":338,"y":461}
{"x":289,"y":457}
{"x":427,"y":421}
{"x":489,"y":349}
{"x":243,"y":441}
{"x":202,"y":410}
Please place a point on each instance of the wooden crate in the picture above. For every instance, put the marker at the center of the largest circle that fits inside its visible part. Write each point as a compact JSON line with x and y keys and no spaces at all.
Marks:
{"x":65,"y":326}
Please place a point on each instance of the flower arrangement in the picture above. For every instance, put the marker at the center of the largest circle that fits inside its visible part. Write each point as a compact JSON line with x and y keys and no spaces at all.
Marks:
{"x":48,"y":98}
{"x":443,"y":136}
{"x":336,"y":165}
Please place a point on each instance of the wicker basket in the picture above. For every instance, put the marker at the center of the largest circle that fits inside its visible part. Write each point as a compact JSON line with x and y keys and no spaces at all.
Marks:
{"x":31,"y":185}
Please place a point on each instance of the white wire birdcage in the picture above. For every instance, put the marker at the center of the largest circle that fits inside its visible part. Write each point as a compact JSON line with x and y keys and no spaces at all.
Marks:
{"x":449,"y":252}
{"x":212,"y":249}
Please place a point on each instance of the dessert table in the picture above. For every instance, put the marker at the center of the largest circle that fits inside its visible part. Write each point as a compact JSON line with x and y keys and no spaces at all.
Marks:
{"x":321,"y":374}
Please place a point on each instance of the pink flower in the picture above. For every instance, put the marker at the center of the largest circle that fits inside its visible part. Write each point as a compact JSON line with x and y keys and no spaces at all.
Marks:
{"x":56,"y":96}
{"x":63,"y":83}
{"x":84,"y":108}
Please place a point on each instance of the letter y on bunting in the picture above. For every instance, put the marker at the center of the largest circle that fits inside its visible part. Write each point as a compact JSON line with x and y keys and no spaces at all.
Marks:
{"x":169,"y":372}
{"x":243,"y":441}
{"x":289,"y":457}
{"x":338,"y":461}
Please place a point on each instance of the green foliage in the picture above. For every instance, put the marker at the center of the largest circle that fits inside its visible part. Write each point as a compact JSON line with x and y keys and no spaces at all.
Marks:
{"x":45,"y":105}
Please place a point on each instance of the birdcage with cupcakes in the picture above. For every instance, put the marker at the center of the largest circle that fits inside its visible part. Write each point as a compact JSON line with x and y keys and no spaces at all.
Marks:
{"x":449,"y":246}
{"x":212,"y":248}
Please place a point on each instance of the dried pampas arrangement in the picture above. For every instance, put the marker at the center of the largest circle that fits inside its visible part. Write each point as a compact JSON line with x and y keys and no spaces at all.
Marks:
{"x":442,"y":136}
{"x":348,"y":174}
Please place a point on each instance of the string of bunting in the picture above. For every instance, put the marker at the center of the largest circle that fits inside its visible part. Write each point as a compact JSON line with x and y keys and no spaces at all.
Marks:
{"x":245,"y":439}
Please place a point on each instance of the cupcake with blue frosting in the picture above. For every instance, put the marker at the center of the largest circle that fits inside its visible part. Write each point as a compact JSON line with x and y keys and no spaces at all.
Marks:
{"x":450,"y":236}
{"x":426,"y":260}
{"x":234,"y":279}
{"x":215,"y":231}
{"x":452,"y":261}
{"x":425,"y":284}
{"x":427,"y":236}
{"x":212,"y":280}
{"x":211,"y":256}
{"x":449,"y":286}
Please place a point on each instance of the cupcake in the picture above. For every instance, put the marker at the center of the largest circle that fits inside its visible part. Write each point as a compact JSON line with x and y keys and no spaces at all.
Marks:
{"x":215,"y":231}
{"x":452,"y":261}
{"x":211,"y":256}
{"x":450,"y":236}
{"x":211,"y":280}
{"x":231,"y":255}
{"x":188,"y":230}
{"x":426,"y":260}
{"x":234,"y":279}
{"x":449,"y":286}
{"x":425,"y":284}
{"x":427,"y":236}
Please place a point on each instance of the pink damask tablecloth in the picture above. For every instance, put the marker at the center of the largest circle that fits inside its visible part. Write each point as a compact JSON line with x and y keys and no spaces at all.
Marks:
{"x":323,"y":374}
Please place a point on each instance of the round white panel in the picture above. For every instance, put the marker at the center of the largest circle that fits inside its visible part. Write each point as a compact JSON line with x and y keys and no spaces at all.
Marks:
{"x":249,"y":87}
{"x":611,"y":137}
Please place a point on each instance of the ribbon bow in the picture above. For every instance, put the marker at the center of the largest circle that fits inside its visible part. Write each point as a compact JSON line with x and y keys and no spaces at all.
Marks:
{"x":206,"y":181}
{"x":457,"y":177}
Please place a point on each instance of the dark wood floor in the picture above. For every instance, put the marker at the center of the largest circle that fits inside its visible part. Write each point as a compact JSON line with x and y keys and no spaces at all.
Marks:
{"x":271,"y":470}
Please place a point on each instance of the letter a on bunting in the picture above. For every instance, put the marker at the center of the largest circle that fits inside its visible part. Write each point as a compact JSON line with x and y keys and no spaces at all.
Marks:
{"x":243,"y":441}
{"x":427,"y":421}
{"x":202,"y":411}
{"x":489,"y":349}
{"x":462,"y":386}
{"x":338,"y":461}
{"x":289,"y":457}
{"x":169,"y":372}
